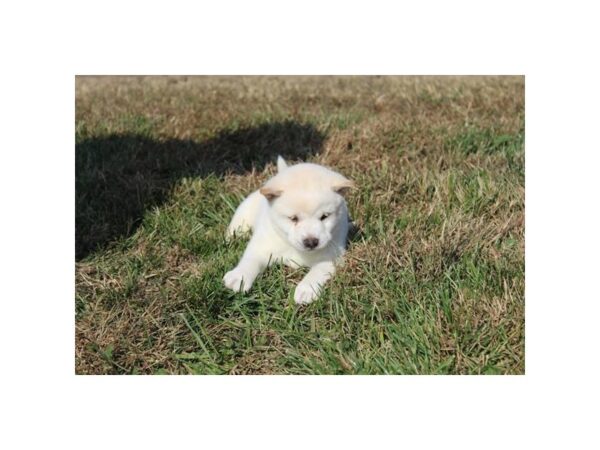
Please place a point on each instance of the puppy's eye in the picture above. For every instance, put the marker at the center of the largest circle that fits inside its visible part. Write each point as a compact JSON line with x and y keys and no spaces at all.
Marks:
{"x":324,"y":216}
{"x":293,"y":219}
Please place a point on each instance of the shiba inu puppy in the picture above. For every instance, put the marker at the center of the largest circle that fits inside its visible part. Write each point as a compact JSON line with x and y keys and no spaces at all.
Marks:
{"x":299,"y":217}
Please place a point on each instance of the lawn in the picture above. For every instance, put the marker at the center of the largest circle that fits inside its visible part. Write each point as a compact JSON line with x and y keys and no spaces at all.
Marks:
{"x":433,"y":281}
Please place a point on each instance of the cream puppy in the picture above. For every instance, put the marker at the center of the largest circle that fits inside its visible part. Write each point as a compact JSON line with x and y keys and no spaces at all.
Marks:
{"x":299,"y":218}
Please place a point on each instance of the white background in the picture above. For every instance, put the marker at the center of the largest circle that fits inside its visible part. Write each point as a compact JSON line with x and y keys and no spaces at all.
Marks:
{"x":44,"y":44}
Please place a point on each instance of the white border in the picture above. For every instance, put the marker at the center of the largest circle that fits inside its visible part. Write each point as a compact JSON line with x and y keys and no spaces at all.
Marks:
{"x":46,"y":43}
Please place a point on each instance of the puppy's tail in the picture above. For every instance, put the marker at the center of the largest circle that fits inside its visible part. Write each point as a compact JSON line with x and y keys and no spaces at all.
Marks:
{"x":281,"y":164}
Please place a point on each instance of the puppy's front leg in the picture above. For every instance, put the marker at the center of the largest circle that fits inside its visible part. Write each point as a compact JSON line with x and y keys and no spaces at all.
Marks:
{"x":244,"y":274}
{"x":310,"y":286}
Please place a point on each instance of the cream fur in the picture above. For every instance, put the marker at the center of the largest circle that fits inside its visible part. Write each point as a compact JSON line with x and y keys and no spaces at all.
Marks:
{"x":299,"y":208}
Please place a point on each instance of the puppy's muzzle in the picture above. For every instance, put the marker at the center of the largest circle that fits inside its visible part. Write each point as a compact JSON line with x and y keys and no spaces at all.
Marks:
{"x":310,"y":243}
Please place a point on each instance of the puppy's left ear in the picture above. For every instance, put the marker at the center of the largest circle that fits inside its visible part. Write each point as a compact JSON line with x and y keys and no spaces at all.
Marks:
{"x":343,"y":186}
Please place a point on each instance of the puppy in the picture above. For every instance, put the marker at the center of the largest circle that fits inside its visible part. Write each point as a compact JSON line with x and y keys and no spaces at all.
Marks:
{"x":300,"y":218}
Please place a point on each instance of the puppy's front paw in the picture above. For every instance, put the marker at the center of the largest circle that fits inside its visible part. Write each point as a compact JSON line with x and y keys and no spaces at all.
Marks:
{"x":237,"y":281}
{"x":305,"y":294}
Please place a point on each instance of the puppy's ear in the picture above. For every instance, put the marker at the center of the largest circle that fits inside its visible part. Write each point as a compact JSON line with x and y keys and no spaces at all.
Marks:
{"x":270,"y":193}
{"x":343,"y":186}
{"x":281,"y":164}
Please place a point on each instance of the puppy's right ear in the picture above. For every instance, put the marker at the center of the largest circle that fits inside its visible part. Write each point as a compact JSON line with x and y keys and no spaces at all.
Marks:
{"x":270,"y":193}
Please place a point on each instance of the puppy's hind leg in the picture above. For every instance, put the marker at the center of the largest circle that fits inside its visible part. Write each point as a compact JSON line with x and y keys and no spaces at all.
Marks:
{"x":245,"y":215}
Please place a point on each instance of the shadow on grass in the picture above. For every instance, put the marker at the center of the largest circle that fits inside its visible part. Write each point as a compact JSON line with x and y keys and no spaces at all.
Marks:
{"x":119,"y":177}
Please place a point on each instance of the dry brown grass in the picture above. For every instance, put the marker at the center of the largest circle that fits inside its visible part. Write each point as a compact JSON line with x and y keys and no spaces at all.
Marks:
{"x":434,"y":279}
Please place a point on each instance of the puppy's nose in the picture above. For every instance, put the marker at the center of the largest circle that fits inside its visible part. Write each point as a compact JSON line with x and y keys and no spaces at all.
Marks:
{"x":310,"y":242}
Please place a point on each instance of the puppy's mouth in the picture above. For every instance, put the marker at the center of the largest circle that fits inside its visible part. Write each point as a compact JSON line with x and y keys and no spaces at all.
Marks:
{"x":310,"y":249}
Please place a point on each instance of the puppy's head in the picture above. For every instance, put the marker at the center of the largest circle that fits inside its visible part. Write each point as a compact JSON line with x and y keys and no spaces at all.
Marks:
{"x":306,"y":204}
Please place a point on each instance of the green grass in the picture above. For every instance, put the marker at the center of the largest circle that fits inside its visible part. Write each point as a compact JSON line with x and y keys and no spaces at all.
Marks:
{"x":433,"y":281}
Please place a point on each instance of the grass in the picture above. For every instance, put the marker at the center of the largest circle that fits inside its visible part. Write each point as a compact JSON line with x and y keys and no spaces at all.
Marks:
{"x":434,"y":277}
